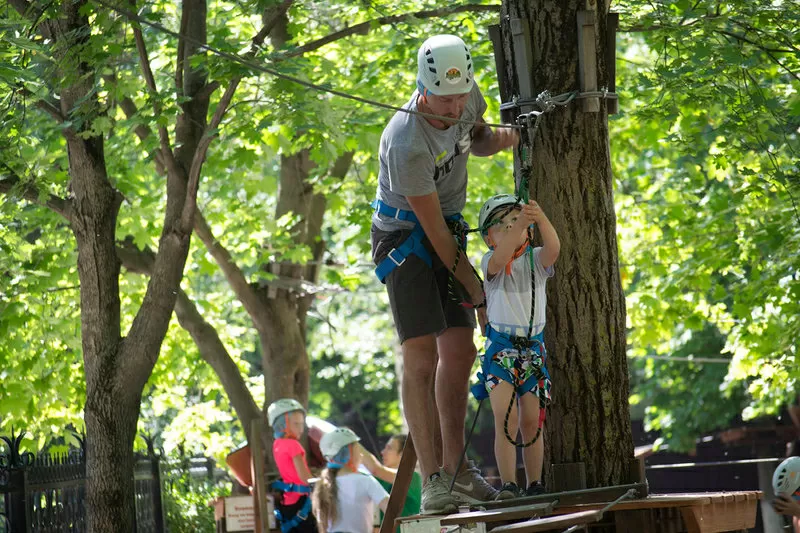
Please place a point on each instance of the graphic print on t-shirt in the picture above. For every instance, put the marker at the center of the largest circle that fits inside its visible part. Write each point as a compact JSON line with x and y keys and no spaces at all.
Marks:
{"x":445,"y":162}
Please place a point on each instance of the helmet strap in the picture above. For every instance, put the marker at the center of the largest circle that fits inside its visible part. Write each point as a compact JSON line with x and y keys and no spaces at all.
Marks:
{"x":288,"y":433}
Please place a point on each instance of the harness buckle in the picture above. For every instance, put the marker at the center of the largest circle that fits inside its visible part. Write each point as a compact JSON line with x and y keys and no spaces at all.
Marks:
{"x":395,"y":261}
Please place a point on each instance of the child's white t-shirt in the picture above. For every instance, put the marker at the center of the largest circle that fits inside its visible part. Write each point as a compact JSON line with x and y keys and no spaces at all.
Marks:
{"x":508,"y":297}
{"x":355,"y":506}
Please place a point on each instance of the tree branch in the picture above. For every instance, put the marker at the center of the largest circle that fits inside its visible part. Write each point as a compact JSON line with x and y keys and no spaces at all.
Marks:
{"x":150,"y":81}
{"x":768,"y":51}
{"x":365,"y":27}
{"x":12,"y":181}
{"x":236,"y":278}
{"x":210,"y":133}
{"x":206,"y":338}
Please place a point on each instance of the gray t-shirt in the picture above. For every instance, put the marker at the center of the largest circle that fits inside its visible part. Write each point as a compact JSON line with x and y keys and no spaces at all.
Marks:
{"x":417,"y":159}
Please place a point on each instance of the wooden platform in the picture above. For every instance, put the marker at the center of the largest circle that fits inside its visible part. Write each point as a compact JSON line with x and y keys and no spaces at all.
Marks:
{"x":658,"y":513}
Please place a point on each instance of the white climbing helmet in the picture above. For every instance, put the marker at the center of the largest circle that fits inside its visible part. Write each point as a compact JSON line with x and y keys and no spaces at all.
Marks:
{"x":491,"y":205}
{"x":444,"y":66}
{"x":281,"y":407}
{"x":786,"y":479}
{"x":331,"y":443}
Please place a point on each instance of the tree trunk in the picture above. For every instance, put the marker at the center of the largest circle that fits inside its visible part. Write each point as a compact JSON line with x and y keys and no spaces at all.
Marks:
{"x":571,"y":179}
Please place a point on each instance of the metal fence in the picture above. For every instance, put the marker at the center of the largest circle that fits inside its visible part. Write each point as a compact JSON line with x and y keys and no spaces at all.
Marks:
{"x":47,"y":493}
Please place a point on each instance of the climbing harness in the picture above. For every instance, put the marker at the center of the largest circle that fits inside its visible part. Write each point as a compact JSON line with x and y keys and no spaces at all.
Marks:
{"x":414,"y":244}
{"x":287,"y":524}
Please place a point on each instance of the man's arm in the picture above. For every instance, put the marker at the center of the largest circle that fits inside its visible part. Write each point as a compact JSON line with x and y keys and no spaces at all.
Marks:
{"x":486,"y":142}
{"x":429,"y":213}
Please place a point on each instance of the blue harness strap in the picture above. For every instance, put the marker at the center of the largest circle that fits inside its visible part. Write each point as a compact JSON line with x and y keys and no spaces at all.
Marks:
{"x":287,"y":524}
{"x":414,"y":243}
{"x":499,"y":342}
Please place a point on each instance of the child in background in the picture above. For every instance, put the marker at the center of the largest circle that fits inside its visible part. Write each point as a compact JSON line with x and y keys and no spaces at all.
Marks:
{"x":514,"y":375}
{"x":345,"y":499}
{"x":293,"y":509}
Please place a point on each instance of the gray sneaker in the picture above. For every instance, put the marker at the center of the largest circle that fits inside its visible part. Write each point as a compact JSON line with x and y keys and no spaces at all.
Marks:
{"x":436,"y":498}
{"x":470,"y":487}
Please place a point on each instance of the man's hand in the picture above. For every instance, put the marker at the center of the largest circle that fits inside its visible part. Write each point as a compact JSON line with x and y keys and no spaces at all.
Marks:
{"x":507,"y":137}
{"x":483,"y":319}
{"x":786,"y":505}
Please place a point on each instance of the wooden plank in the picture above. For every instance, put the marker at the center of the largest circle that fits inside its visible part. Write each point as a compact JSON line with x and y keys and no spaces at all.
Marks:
{"x":654,"y":501}
{"x":587,"y":59}
{"x":723,"y":515}
{"x":507,"y":117}
{"x":574,"y":497}
{"x":259,"y":480}
{"x":498,"y":515}
{"x":402,"y":481}
{"x":633,"y":521}
{"x":612,"y":105}
{"x":551,"y":522}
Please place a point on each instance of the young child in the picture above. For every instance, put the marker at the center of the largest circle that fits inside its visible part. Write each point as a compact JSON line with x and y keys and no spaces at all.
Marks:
{"x":786,"y":485}
{"x":293,"y":508}
{"x":515,"y":275}
{"x":344,"y":499}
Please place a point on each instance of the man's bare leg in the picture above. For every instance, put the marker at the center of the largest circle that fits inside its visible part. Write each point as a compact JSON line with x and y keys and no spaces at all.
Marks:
{"x":456,"y":355}
{"x":437,"y":424}
{"x":419,"y":367}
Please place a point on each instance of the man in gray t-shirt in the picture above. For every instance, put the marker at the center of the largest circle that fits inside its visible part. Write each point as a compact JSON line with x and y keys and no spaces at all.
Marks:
{"x":422,"y":181}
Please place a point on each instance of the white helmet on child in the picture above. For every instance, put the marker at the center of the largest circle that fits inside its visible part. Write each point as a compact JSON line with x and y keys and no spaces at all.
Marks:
{"x":491,"y":205}
{"x":331,"y":443}
{"x":281,"y":407}
{"x":444,"y":66}
{"x":786,"y":479}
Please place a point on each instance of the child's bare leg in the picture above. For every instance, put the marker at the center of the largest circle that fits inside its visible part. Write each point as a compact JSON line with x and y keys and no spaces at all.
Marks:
{"x":533,"y":455}
{"x":504,"y":451}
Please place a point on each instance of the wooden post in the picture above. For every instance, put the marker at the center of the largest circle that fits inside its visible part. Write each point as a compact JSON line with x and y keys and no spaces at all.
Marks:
{"x":567,"y":476}
{"x":587,"y":59}
{"x":612,"y":104}
{"x":507,"y":116}
{"x":259,"y":481}
{"x":402,"y":481}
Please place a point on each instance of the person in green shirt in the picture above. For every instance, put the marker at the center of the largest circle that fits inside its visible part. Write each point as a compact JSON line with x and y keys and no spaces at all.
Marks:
{"x":386,"y":470}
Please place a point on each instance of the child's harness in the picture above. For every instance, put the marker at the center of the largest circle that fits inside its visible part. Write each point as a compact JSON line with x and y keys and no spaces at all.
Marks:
{"x":414,"y":243}
{"x":287,"y":524}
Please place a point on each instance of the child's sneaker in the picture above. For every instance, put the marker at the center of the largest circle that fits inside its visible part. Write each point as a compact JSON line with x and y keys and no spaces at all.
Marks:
{"x":535,"y":488}
{"x":509,"y":491}
{"x":436,"y":497}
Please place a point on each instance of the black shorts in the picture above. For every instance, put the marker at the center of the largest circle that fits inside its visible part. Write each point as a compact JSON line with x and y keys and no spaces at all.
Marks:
{"x":418,"y":294}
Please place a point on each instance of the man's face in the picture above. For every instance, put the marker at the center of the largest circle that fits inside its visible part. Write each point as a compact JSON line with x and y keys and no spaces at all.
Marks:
{"x":447,"y":106}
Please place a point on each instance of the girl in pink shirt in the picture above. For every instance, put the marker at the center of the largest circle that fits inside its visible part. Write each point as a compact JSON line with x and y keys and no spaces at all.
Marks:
{"x":293,"y":508}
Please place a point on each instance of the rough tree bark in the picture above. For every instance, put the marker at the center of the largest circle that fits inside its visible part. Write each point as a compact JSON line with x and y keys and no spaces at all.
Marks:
{"x":585,"y":335}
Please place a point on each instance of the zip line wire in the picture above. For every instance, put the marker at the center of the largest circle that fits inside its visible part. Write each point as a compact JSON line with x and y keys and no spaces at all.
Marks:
{"x":544,"y":100}
{"x":255,"y":66}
